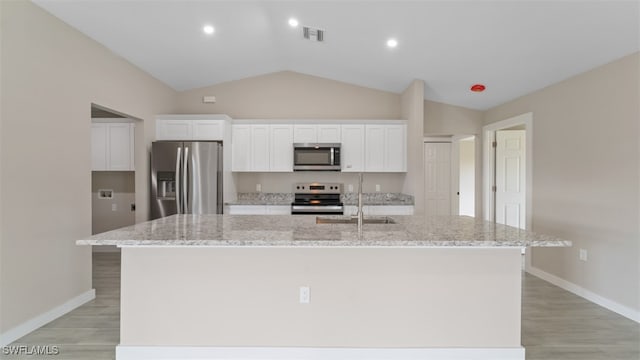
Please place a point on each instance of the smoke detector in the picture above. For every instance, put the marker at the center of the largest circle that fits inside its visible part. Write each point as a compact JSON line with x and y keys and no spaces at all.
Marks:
{"x":313,"y":34}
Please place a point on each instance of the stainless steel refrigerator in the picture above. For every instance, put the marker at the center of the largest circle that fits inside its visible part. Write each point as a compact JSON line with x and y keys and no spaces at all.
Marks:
{"x":186,"y":178}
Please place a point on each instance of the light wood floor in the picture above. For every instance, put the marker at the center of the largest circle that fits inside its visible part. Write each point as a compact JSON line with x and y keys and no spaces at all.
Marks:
{"x":556,"y":324}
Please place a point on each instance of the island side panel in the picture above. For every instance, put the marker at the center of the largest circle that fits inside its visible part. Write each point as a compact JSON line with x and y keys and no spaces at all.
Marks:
{"x":359,"y":297}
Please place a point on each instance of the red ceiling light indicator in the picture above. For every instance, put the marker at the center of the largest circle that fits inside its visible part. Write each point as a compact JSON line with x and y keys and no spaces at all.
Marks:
{"x":478,"y":88}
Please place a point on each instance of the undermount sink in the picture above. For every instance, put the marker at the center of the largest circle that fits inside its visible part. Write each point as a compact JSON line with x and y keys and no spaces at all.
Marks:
{"x":354,"y":220}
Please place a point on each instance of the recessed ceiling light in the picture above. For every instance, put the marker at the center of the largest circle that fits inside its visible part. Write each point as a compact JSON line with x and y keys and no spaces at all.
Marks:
{"x":208,"y":29}
{"x":293,"y":22}
{"x":392,"y":43}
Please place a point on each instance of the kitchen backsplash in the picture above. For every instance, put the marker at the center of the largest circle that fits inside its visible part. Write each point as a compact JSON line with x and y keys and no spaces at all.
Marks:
{"x":283,"y":182}
{"x":255,"y":198}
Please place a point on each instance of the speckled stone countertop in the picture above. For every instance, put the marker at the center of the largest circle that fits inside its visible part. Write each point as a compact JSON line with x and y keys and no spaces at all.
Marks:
{"x":302,"y":231}
{"x":347,"y":199}
{"x":263,"y":199}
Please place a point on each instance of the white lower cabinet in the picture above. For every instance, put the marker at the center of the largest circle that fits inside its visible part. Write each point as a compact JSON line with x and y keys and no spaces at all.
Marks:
{"x":258,"y":210}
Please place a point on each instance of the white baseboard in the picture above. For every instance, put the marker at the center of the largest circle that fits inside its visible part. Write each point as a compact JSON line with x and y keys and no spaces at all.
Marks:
{"x":28,"y":326}
{"x":584,"y":293}
{"x":278,"y":353}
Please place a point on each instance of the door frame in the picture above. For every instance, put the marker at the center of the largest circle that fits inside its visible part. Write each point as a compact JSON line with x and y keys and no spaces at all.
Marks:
{"x":454,"y":181}
{"x":488,"y":167}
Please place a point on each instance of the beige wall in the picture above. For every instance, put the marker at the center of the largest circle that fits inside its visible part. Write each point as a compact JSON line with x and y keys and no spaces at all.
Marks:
{"x":103,"y":217}
{"x":586,"y":176}
{"x":445,"y":119}
{"x":413,"y":111}
{"x":291,"y":95}
{"x":359,"y":297}
{"x":282,"y":182}
{"x":50,"y":76}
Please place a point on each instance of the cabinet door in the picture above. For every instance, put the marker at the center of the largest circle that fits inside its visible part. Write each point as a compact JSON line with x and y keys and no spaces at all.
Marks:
{"x":305,"y":134}
{"x":352,"y":150}
{"x":119,"y":146}
{"x":395,"y":148}
{"x":98,"y":147}
{"x":281,"y":146}
{"x":375,"y":148}
{"x":241,"y":148}
{"x":328,"y":133}
{"x":174,"y":129}
{"x":259,"y":148}
{"x":208,"y":129}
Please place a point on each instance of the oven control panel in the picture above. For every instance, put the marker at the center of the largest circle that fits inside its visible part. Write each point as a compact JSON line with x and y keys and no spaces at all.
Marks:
{"x":317,"y":188}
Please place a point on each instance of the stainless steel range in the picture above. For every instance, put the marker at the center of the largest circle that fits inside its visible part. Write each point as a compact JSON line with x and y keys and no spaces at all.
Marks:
{"x":317,"y":198}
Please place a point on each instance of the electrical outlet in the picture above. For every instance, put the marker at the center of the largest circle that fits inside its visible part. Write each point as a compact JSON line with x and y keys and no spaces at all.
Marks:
{"x":305,"y":295}
{"x":350,"y":187}
{"x":583,"y":254}
{"x":377,"y":187}
{"x":114,"y":207}
{"x":259,"y":187}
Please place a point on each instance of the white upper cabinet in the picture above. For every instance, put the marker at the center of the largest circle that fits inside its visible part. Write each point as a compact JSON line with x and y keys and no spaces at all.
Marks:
{"x":174,"y":130}
{"x":386,"y":148}
{"x":261,"y":148}
{"x":241,"y":148}
{"x":329,"y":133}
{"x":366,"y":146}
{"x":281,"y":154}
{"x":305,"y":133}
{"x":190,"y":127}
{"x":99,"y":147}
{"x":316,"y":133}
{"x":208,"y":129}
{"x":352,"y":150}
{"x":112,"y":146}
{"x":375,"y":146}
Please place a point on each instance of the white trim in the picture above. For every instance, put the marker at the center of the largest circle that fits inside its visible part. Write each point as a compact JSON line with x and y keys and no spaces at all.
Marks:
{"x":586,"y":294}
{"x":125,"y":352}
{"x":28,"y":326}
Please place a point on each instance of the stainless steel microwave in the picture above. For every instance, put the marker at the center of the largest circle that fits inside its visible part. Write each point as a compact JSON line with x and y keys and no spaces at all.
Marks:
{"x":316,"y":157}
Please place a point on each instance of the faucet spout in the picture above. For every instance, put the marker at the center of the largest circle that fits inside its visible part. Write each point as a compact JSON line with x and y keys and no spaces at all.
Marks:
{"x":360,"y":214}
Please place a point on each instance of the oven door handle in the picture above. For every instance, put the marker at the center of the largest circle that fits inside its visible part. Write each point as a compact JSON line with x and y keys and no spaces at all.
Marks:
{"x":304,"y":208}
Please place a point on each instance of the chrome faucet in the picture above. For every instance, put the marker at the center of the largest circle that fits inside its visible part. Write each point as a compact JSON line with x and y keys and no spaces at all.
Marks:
{"x":360,"y":214}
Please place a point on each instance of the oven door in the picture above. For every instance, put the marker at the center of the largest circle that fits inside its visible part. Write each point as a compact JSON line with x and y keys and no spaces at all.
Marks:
{"x":299,"y":209}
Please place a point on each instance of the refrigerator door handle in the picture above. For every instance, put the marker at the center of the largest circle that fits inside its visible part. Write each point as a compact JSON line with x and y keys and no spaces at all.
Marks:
{"x":185,"y":181}
{"x":178,"y":182}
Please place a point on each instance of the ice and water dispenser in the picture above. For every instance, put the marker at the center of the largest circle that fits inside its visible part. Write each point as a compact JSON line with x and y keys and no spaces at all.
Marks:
{"x":166,"y":185}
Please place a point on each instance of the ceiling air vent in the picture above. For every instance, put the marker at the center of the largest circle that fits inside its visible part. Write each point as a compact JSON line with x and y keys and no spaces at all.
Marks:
{"x":313,"y":34}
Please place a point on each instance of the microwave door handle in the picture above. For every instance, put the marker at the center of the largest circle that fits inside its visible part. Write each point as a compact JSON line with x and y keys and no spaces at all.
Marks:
{"x":333,"y":156}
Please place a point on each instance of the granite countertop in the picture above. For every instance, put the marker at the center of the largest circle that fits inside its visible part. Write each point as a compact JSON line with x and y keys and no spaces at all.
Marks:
{"x":347,"y":199}
{"x":302,"y":231}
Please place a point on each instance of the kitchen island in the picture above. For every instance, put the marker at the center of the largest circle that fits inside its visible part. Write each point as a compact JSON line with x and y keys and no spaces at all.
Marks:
{"x":284,"y":287}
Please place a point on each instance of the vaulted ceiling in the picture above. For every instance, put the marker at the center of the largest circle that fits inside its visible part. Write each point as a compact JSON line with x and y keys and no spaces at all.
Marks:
{"x":513,"y":47}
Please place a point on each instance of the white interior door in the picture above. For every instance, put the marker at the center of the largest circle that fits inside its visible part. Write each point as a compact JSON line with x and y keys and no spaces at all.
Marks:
{"x":510,"y":178}
{"x":437,"y":178}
